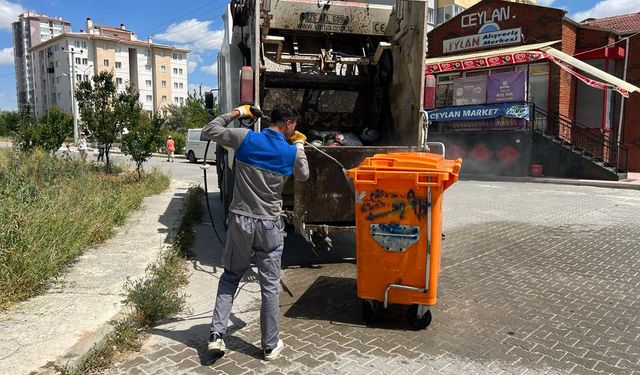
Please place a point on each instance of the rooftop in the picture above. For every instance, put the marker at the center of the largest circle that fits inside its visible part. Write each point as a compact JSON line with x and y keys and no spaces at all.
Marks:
{"x":623,"y":24}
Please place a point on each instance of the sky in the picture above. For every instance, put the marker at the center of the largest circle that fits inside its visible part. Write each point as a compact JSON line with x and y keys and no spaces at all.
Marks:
{"x":193,"y":24}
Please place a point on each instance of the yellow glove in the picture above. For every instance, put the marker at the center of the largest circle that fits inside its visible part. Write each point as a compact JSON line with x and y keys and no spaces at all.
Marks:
{"x":298,"y":139}
{"x":249,"y":111}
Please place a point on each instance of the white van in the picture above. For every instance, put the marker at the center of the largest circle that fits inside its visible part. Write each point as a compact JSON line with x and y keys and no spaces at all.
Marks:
{"x":194,"y":147}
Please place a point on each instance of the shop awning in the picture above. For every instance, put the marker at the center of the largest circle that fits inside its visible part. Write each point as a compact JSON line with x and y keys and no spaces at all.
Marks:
{"x":529,"y":53}
{"x":487,"y":54}
{"x":606,"y":77}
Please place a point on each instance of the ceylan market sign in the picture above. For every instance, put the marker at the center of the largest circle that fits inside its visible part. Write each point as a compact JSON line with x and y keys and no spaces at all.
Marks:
{"x":480,"y":112}
{"x":489,"y":34}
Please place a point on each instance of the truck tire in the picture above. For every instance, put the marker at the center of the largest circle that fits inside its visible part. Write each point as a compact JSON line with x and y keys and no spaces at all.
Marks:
{"x":192,"y":157}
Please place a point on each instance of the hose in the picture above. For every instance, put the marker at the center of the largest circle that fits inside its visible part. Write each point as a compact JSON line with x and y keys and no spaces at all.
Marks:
{"x":206,"y":190}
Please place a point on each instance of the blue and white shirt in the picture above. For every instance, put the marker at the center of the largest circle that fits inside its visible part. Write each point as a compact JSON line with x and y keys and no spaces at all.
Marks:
{"x":264,"y":161}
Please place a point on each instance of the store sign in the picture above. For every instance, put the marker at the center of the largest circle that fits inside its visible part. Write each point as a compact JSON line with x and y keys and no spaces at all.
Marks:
{"x":480,"y":112}
{"x":487,"y":39}
{"x":506,"y":87}
{"x":484,"y":17}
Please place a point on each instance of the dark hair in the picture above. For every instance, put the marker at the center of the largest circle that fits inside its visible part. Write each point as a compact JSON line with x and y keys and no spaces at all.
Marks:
{"x":282,"y":113}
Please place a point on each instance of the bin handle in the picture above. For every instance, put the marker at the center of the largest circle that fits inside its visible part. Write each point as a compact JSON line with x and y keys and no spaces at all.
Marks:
{"x":366,"y":178}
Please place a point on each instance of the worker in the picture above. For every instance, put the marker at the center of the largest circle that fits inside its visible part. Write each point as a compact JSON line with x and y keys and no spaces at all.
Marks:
{"x":264,"y":161}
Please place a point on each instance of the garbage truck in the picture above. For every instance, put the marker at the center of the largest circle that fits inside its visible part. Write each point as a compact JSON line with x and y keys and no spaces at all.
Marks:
{"x":355,"y":71}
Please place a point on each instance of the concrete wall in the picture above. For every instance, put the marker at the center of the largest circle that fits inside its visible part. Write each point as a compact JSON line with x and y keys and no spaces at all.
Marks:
{"x":162,"y":57}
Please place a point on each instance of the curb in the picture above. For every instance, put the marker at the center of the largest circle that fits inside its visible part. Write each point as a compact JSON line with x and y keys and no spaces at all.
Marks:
{"x":85,"y":347}
{"x":557,"y":181}
{"x":96,"y":340}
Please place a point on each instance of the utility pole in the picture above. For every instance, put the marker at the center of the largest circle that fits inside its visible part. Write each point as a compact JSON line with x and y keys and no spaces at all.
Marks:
{"x":72,"y":78}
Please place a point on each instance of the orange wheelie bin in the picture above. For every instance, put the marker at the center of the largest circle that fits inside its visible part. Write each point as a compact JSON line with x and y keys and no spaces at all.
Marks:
{"x":399,"y":230}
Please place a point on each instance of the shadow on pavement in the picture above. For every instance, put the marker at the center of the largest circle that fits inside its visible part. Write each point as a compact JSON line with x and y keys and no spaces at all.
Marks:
{"x":334,"y":300}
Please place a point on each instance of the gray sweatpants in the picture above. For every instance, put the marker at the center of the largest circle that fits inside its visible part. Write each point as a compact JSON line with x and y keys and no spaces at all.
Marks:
{"x":263,"y":239}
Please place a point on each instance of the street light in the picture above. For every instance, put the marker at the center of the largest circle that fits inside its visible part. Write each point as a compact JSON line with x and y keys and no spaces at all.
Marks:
{"x":71,"y":51}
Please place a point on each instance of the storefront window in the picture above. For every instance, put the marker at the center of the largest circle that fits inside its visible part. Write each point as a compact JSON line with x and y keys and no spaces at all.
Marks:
{"x":444,"y":89}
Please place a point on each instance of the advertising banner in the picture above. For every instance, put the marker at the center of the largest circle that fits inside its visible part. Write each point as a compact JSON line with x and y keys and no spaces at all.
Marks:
{"x":480,"y":112}
{"x":506,"y":87}
{"x":470,"y":90}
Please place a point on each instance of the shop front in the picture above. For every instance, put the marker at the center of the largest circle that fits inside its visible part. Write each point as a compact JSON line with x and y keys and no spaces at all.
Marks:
{"x":505,"y":79}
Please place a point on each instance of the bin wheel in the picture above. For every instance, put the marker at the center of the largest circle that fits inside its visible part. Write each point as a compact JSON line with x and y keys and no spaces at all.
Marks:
{"x":370,"y":310}
{"x":417,"y":317}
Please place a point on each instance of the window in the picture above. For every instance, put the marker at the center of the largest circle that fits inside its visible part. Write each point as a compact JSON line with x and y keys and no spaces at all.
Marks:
{"x":85,"y":61}
{"x":147,"y":68}
{"x":118,"y":49}
{"x":79,"y":77}
{"x":56,"y":47}
{"x":181,"y":85}
{"x":164,"y":84}
{"x":175,"y":56}
{"x":162,"y":68}
{"x":181,"y":100}
{"x":176,"y":100}
{"x":147,"y":53}
{"x":180,"y":71}
{"x":147,"y":83}
{"x":84,"y":45}
{"x":86,"y":77}
{"x":56,"y":63}
{"x":118,"y":65}
{"x":149,"y":98}
{"x":59,"y":96}
{"x":175,"y":85}
{"x":180,"y":56}
{"x":105,"y":62}
{"x":430,"y":17}
{"x":444,"y":89}
{"x":175,"y":70}
{"x":78,"y":60}
{"x":119,"y":81}
{"x":164,"y":98}
{"x":76,"y":43}
{"x":105,"y":46}
{"x":57,"y":79}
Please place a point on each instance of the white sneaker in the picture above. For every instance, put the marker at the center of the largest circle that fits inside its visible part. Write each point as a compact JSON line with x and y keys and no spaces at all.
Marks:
{"x":271,"y":354}
{"x":216,"y":343}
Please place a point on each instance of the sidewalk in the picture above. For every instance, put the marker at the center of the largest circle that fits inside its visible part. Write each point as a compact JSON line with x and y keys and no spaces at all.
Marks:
{"x":69,"y":318}
{"x":117,"y":151}
{"x":179,"y":345}
{"x":631,"y":182}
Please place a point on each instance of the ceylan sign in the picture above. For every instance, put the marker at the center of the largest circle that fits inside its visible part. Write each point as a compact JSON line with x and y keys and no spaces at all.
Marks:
{"x":489,"y":32}
{"x":487,"y":39}
{"x":485,"y":17}
{"x":480,"y":112}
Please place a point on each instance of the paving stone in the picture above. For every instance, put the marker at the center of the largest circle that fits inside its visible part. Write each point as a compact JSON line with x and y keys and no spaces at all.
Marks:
{"x":535,"y":279}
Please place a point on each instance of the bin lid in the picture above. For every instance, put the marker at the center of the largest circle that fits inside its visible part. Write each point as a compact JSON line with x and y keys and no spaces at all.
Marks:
{"x":412,"y":162}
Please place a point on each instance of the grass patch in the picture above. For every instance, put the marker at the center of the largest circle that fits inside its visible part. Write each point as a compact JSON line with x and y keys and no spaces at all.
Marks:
{"x":153,"y":298}
{"x":52,"y":210}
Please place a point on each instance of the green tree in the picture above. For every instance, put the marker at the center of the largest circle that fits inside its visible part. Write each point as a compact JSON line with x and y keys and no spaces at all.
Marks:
{"x":98,"y":101}
{"x":55,"y":126}
{"x":47,"y":132}
{"x":27,"y":130}
{"x":143,"y":132}
{"x":8,"y":123}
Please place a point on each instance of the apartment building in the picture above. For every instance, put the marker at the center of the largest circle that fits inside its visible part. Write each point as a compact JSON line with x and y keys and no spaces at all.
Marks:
{"x":30,"y":30}
{"x":158,"y":72}
{"x":447,"y":9}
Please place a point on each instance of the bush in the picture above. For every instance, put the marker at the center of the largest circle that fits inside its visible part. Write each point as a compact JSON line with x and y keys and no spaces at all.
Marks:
{"x":53,"y":209}
{"x":48,"y":132}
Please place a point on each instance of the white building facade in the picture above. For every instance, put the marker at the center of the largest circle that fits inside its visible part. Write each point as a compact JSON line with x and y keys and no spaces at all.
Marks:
{"x":63,"y":61}
{"x":30,"y":30}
